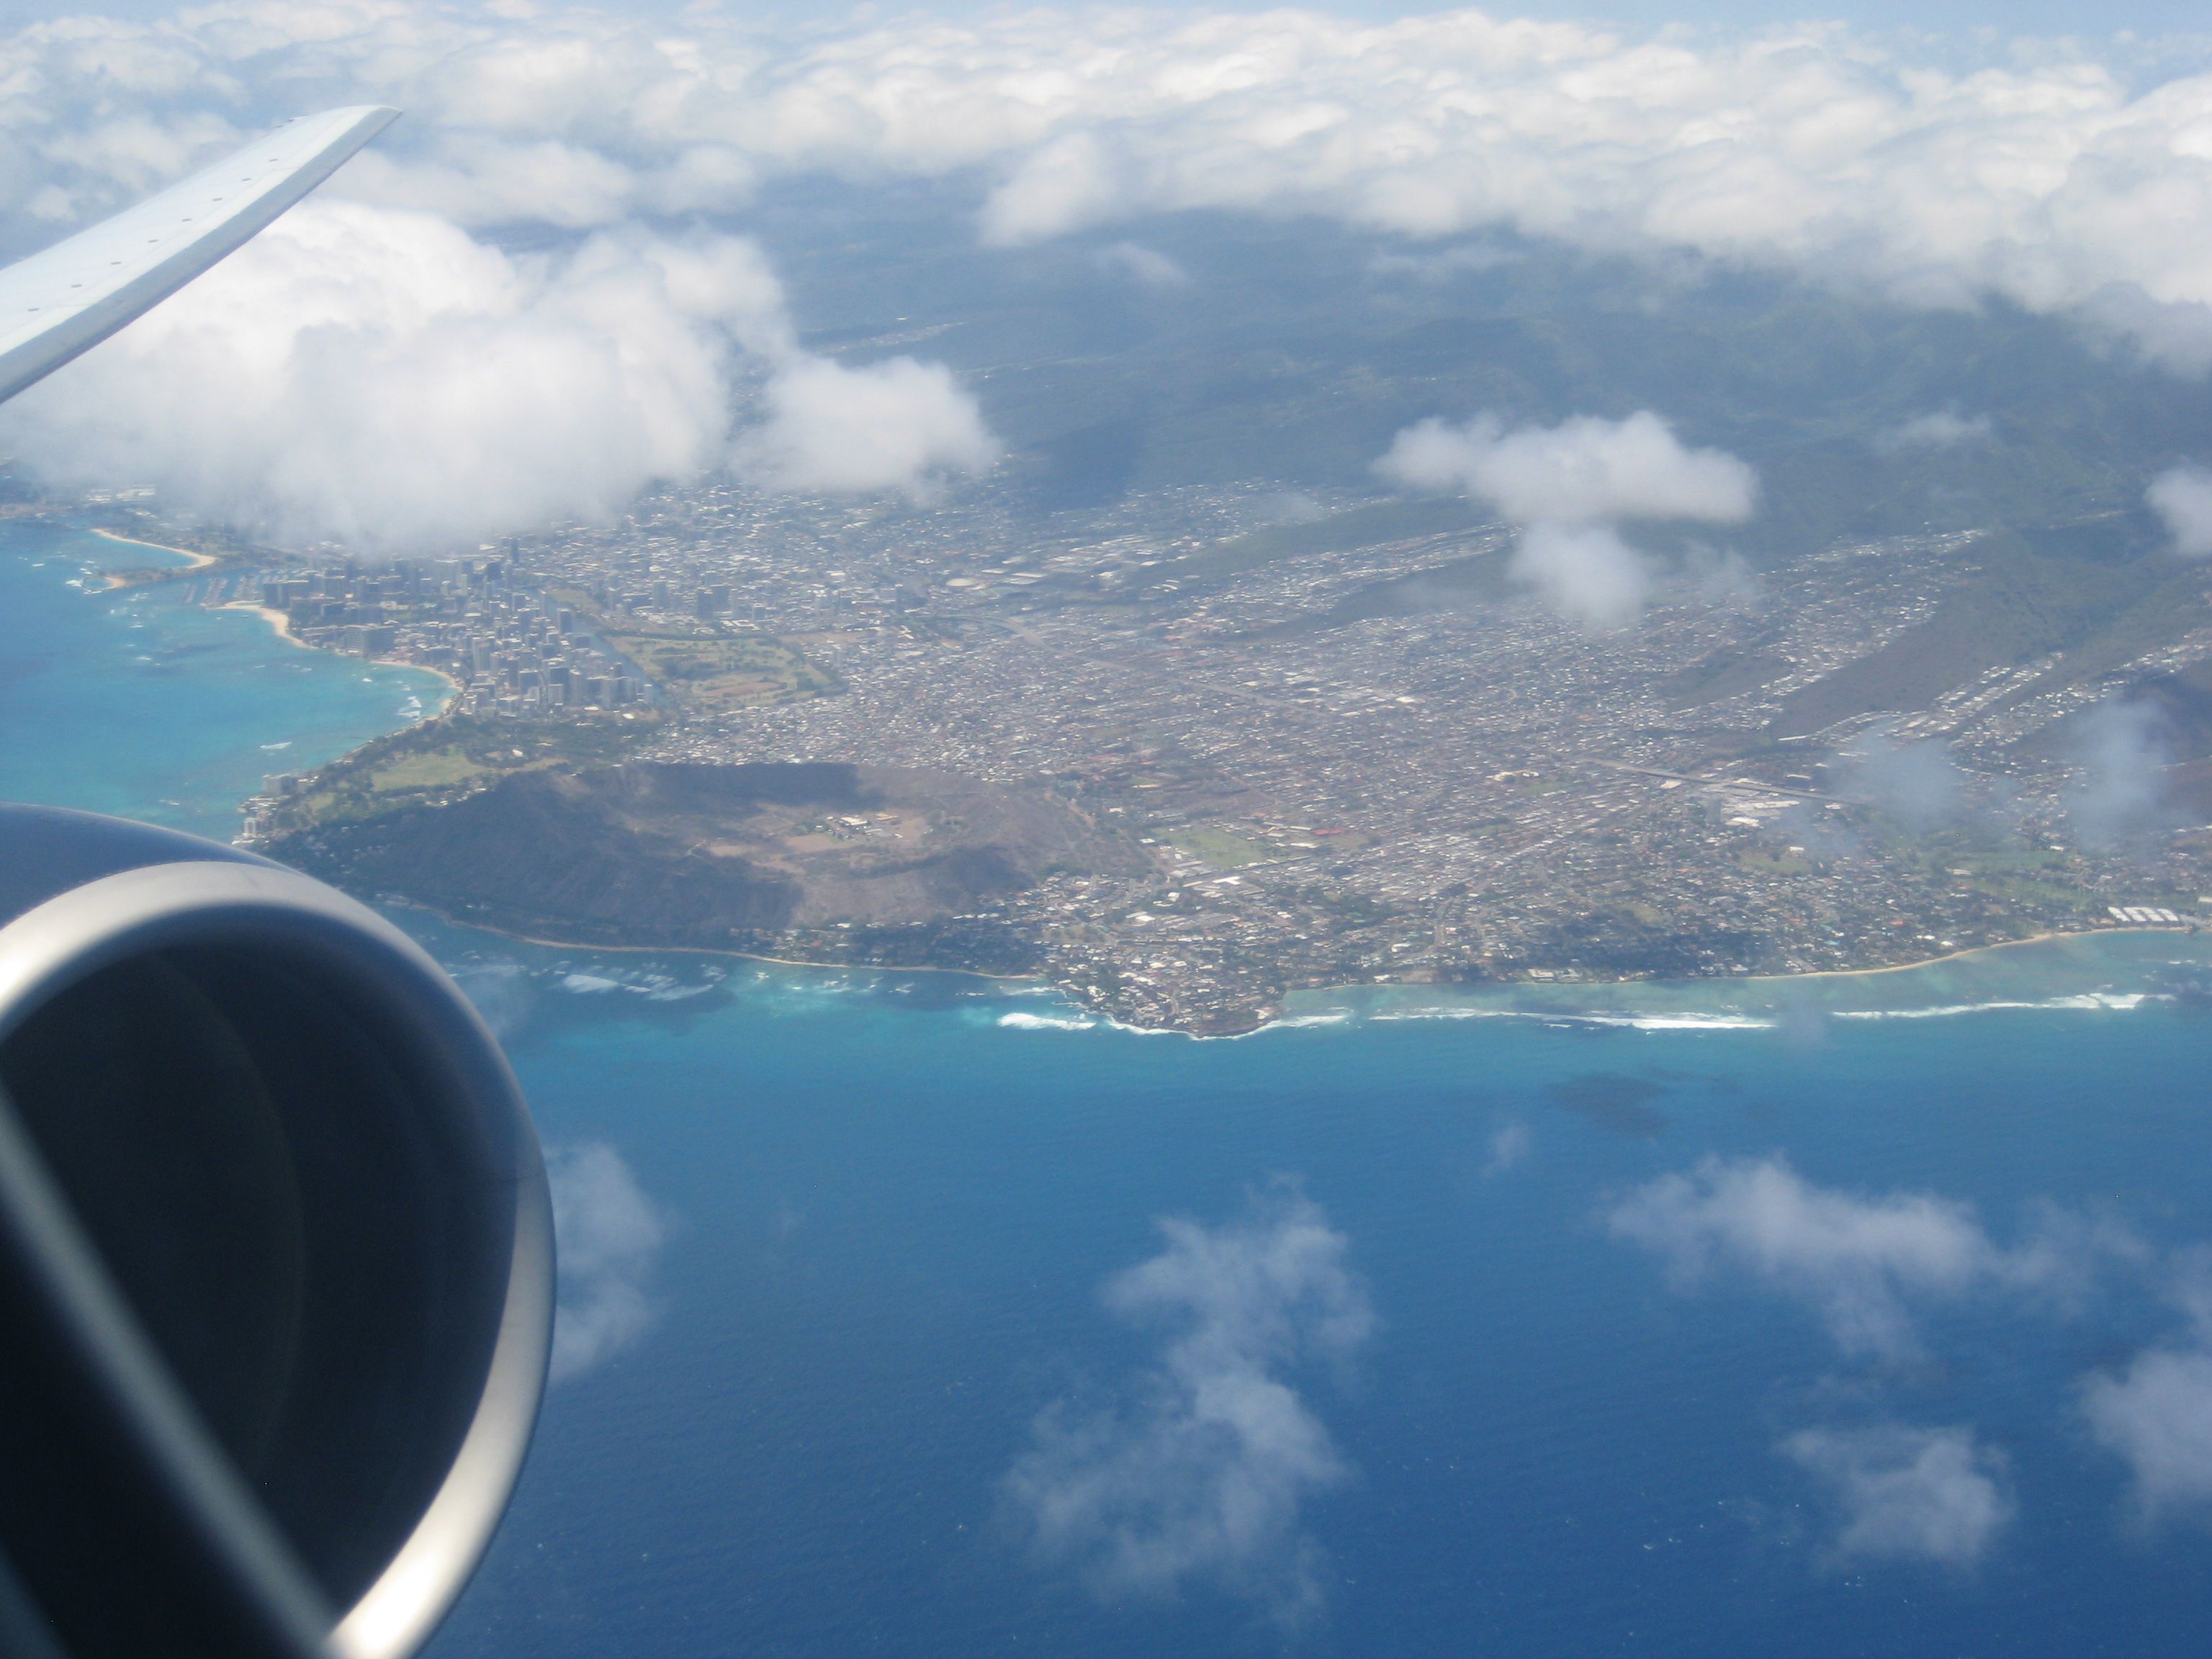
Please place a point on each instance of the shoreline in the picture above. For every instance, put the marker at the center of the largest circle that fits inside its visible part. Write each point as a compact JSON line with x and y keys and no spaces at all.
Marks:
{"x":1288,"y":1018}
{"x":454,"y":687}
{"x":197,"y":560}
{"x":1770,"y":980}
{"x":1284,"y":1019}
{"x":281,"y":624}
{"x":1948,"y":956}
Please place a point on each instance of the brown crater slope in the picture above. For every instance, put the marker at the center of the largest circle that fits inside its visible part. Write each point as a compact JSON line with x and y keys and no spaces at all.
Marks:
{"x":716,"y":856}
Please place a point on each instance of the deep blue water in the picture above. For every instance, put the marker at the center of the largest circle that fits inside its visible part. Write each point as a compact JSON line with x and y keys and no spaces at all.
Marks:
{"x":893,"y":1216}
{"x":889,"y":1210}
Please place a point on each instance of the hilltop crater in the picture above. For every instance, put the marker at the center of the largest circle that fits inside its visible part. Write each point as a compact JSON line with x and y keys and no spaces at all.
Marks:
{"x":902,"y":863}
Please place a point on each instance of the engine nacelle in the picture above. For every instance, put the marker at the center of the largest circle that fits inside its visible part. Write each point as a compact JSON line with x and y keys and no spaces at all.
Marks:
{"x":276,"y":1258}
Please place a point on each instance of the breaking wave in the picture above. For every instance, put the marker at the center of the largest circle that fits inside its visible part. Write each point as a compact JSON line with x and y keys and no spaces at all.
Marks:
{"x":2087,"y":1001}
{"x":1019,"y":1020}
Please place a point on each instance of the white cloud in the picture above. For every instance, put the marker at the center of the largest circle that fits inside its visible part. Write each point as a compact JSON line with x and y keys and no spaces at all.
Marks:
{"x":1146,"y":267}
{"x":608,"y":1234}
{"x":1565,"y":484}
{"x":1509,"y":1143}
{"x":1059,"y":186}
{"x":482,"y":180}
{"x":2123,"y":757}
{"x":374,"y":375}
{"x":1581,"y":471}
{"x":1201,"y":1471}
{"x":2044,"y":178}
{"x":1584,"y":572}
{"x":1909,"y":1494}
{"x":1859,"y":1262}
{"x":2182,"y":497}
{"x":1919,"y":783}
{"x":898,"y":425}
{"x":1941,"y":429}
{"x":2156,"y":1415}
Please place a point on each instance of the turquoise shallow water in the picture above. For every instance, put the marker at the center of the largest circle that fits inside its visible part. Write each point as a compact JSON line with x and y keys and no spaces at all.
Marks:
{"x":1752,"y":1319}
{"x":134,"y":703}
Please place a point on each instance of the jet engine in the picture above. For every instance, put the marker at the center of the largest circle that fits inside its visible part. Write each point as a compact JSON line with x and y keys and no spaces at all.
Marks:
{"x":275,"y":1259}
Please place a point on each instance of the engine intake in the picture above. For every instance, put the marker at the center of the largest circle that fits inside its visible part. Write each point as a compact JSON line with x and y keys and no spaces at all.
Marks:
{"x":276,"y":1258}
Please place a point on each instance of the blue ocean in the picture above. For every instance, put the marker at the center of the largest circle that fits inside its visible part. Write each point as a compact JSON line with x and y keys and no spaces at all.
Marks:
{"x":924,"y":1315}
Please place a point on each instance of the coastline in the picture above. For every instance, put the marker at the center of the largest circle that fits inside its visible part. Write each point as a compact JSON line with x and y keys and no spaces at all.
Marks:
{"x":1288,"y":1017}
{"x":281,"y":624}
{"x":1440,"y":993}
{"x":144,"y":703}
{"x":1955,"y":955}
{"x":2091,"y":968}
{"x":454,"y":687}
{"x":197,"y":560}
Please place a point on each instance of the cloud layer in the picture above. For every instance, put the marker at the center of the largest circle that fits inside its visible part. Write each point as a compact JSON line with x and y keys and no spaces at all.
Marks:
{"x":2157,"y":1415}
{"x":2182,"y":497}
{"x":608,"y":1235}
{"x":2046,"y":177}
{"x":1200,"y":1472}
{"x":557,"y":385}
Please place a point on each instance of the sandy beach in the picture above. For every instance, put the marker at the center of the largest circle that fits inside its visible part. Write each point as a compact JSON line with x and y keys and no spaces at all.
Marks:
{"x":199,"y":561}
{"x":275,"y":619}
{"x":283,"y":625}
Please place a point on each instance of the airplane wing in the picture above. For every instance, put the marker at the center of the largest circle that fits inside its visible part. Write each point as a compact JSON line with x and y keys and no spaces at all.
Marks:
{"x":67,"y":300}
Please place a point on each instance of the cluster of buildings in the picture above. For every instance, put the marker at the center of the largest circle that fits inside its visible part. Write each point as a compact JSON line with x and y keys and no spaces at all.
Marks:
{"x":1377,"y":762}
{"x":513,"y":647}
{"x":1447,"y":784}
